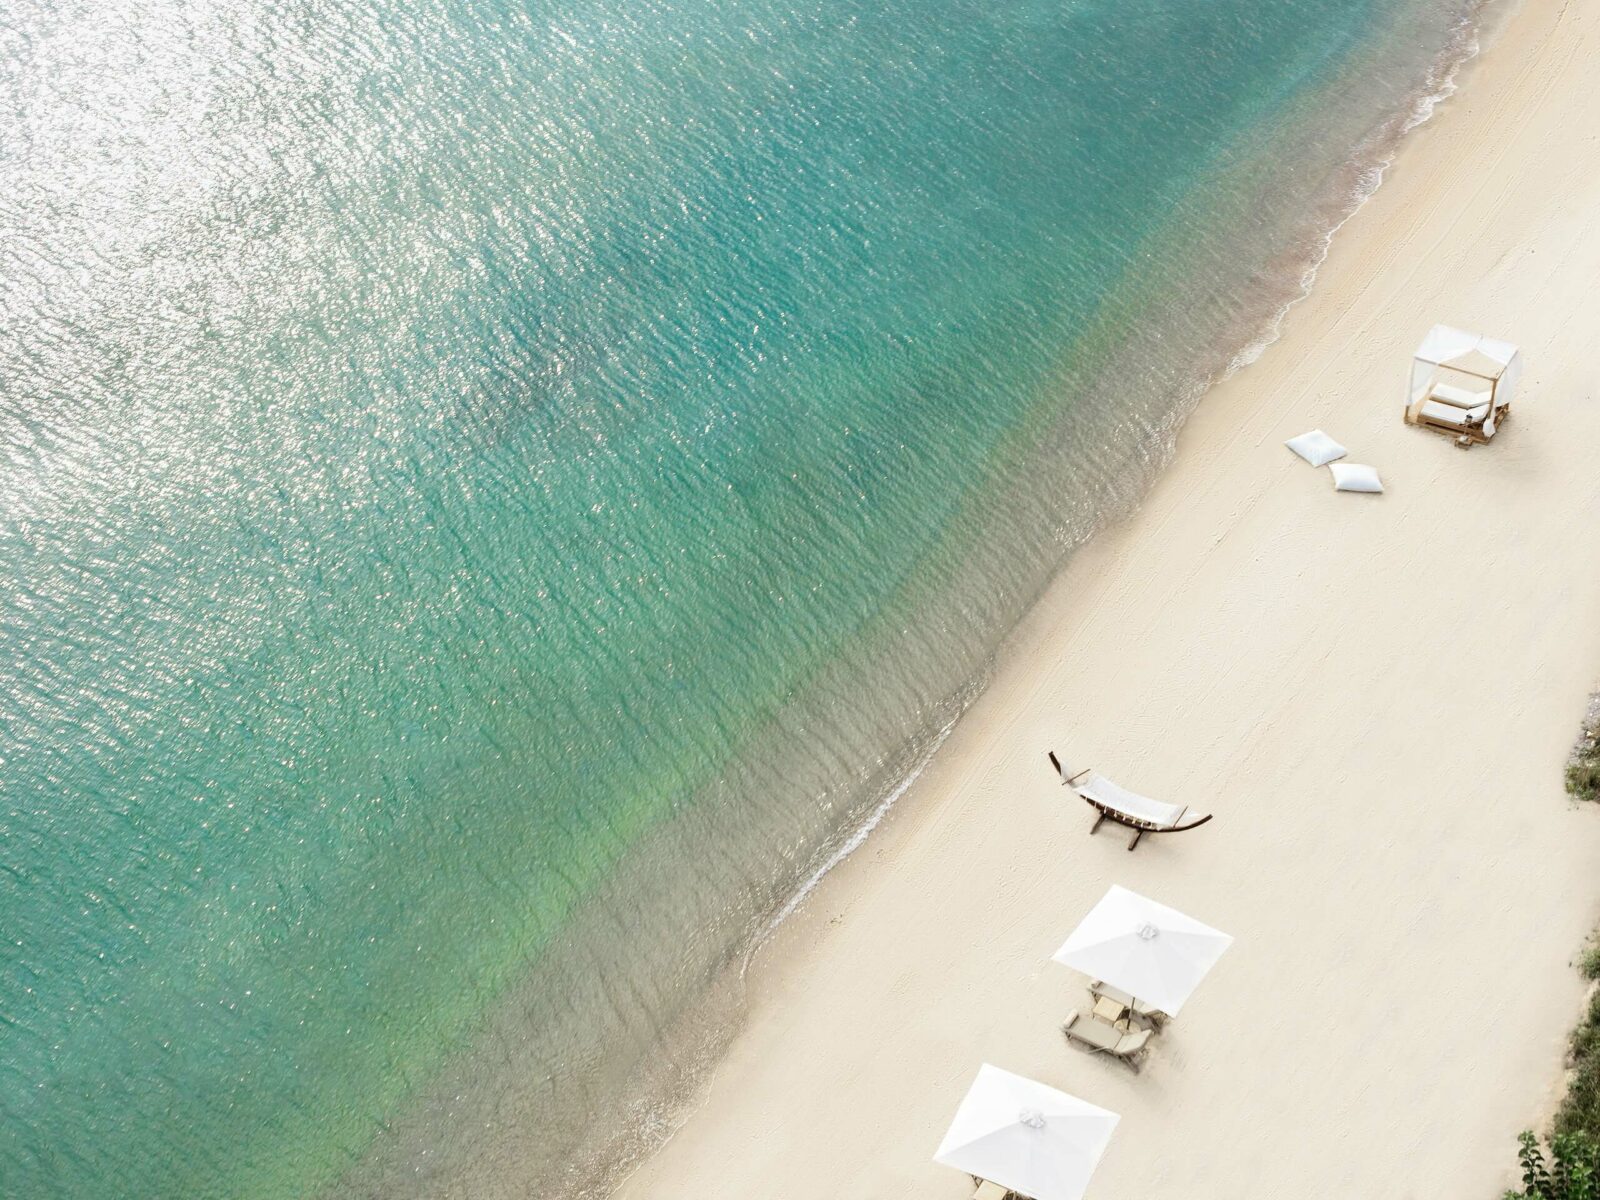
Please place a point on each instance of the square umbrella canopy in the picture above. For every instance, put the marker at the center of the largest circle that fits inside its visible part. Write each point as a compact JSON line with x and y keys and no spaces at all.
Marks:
{"x":1026,"y":1136}
{"x":1152,"y":952}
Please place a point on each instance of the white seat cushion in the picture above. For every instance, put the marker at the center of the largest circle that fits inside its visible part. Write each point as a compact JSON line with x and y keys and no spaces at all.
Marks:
{"x":1355,"y":477}
{"x":1461,"y":397}
{"x":1456,"y":418}
{"x":1316,"y":447}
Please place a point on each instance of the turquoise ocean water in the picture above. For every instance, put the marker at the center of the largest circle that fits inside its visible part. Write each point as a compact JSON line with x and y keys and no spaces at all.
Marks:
{"x":491,"y":493}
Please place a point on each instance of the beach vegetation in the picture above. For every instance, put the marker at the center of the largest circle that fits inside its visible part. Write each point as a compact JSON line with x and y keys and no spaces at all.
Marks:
{"x":1583,"y":768}
{"x":1570,"y":1170}
{"x":1580,"y":1111}
{"x":1583,"y":776}
{"x":1589,"y":964}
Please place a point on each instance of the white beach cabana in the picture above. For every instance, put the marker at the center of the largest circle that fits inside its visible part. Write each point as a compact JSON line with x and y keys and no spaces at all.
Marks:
{"x":1462,"y":384}
{"x":1154,"y":953}
{"x":1026,"y":1137}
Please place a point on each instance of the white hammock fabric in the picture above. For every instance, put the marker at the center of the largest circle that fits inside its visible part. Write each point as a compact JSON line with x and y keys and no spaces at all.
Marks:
{"x":1101,"y":790}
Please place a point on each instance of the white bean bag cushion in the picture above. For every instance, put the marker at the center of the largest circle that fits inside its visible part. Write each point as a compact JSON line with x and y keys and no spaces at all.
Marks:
{"x":1316,"y":447}
{"x":1354,"y":477}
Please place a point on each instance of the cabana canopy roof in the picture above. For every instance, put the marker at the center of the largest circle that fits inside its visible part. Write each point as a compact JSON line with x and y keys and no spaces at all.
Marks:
{"x":1484,"y":357}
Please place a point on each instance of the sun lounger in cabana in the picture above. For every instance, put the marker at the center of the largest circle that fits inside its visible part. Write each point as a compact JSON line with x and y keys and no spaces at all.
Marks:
{"x":1139,"y":813}
{"x":1099,"y":1038}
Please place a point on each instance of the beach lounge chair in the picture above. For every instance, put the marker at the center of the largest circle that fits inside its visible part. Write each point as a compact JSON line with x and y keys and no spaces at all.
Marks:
{"x":988,"y":1190}
{"x":1152,"y":1016}
{"x":1138,"y":813}
{"x":1100,"y":1038}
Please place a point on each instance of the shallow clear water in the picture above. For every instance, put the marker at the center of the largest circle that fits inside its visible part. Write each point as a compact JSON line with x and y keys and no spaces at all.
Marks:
{"x":490,"y":491}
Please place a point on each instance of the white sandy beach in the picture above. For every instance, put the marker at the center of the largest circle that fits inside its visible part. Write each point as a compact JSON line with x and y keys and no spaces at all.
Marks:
{"x":1375,"y":695}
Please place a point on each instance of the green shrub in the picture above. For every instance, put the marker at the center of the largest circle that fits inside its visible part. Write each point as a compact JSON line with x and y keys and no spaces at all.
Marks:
{"x":1583,"y":768}
{"x":1580,"y":1111}
{"x":1583,"y":776}
{"x":1572,"y":1171}
{"x":1589,"y":964}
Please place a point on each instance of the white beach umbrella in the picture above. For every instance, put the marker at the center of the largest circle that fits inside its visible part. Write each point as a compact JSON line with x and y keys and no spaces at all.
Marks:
{"x":1152,"y":952}
{"x":1025,"y":1136}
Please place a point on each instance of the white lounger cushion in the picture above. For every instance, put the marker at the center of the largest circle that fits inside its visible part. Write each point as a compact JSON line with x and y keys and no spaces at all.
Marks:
{"x":1459,"y":396}
{"x":1316,"y":447}
{"x":1458,"y":418}
{"x":1355,"y":477}
{"x":1102,"y":791}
